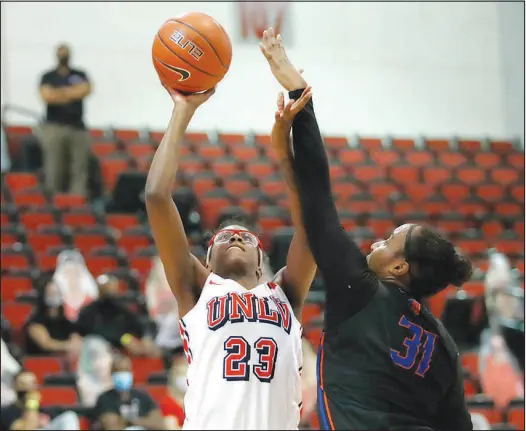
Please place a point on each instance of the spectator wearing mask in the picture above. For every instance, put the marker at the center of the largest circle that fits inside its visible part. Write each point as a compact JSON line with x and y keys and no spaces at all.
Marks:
{"x":24,"y":413}
{"x":108,"y":318}
{"x":65,"y":140}
{"x":125,"y":407}
{"x":47,"y":330}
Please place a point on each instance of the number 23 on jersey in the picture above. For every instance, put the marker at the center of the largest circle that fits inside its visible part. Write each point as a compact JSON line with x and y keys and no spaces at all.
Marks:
{"x":236,"y":365}
{"x":413,"y":345}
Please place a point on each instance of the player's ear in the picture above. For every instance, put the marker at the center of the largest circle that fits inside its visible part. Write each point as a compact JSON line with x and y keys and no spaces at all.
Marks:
{"x":399,"y":268}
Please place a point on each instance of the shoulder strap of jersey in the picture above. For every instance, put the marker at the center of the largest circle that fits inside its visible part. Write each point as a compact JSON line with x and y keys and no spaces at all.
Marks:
{"x":278,"y":291}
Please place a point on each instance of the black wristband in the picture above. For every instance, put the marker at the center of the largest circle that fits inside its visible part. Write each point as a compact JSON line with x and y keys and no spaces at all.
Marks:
{"x":296,"y":94}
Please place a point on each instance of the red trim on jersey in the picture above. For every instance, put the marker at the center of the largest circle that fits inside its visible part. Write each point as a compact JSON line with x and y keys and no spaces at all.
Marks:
{"x":325,"y":400}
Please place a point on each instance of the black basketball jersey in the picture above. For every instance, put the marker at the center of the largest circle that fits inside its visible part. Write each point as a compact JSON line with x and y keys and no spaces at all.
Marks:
{"x":390,"y":366}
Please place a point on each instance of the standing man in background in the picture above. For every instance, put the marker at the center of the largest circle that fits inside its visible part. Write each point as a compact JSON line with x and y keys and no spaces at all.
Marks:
{"x":65,"y":140}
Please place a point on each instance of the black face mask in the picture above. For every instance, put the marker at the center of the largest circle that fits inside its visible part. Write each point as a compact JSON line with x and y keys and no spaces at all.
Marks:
{"x":64,"y":60}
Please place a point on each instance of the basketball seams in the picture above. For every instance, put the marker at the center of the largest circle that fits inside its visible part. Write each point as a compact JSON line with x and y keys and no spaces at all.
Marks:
{"x":203,"y":36}
{"x":181,"y":58}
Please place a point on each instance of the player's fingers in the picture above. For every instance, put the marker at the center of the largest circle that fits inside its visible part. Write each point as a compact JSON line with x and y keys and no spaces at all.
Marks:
{"x":263,"y":49}
{"x":281,"y":101}
{"x":302,"y":101}
{"x":289,"y":105}
{"x":307,"y":89}
{"x":300,"y":104}
{"x":170,"y":90}
{"x":279,"y":40}
{"x":176,"y":94}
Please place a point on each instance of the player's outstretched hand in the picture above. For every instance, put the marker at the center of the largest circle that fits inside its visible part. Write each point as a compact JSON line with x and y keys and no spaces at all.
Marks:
{"x":285,"y":113}
{"x":287,"y":75}
{"x":191,"y":101}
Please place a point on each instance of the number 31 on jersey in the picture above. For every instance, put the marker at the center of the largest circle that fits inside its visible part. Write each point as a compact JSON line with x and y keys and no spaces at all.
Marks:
{"x":407,"y":360}
{"x":236,"y":365}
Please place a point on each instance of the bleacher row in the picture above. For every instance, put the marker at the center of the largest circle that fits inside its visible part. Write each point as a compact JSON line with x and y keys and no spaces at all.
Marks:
{"x":472,"y":190}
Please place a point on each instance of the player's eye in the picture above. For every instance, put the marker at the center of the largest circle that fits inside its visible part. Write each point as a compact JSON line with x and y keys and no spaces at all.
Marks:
{"x":249,"y":238}
{"x":223,"y":237}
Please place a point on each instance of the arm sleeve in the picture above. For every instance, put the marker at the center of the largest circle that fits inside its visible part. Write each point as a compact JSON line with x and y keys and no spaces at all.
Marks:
{"x":349,"y":282}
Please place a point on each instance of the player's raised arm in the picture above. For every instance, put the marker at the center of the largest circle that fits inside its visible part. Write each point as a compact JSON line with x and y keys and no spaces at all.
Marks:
{"x":183,"y":271}
{"x":349,"y":282}
{"x":297,"y":275}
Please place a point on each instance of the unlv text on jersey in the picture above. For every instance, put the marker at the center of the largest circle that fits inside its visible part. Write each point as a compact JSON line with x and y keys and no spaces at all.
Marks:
{"x":247,"y":307}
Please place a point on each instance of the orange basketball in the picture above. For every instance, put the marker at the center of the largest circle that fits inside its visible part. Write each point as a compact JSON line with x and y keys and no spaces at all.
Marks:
{"x":191,"y":53}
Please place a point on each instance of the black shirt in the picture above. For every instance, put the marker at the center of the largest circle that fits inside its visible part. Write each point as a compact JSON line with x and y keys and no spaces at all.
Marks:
{"x":59,"y":328}
{"x":70,"y":114}
{"x":9,"y":414}
{"x":136,"y":404}
{"x":109,"y":319}
{"x":385,"y":362}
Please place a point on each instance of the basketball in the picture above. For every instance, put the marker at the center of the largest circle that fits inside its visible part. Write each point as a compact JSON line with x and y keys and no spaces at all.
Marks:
{"x":191,"y":53}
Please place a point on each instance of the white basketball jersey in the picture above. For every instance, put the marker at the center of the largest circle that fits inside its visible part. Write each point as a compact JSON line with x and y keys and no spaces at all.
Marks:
{"x":245,"y":358}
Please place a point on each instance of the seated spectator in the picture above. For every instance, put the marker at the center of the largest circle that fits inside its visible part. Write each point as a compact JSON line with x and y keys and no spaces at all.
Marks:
{"x":24,"y":413}
{"x":9,"y":368}
{"x":93,"y":369}
{"x":125,"y":407}
{"x":77,"y":285}
{"x":108,"y":318}
{"x":172,"y":404}
{"x":47,"y":330}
